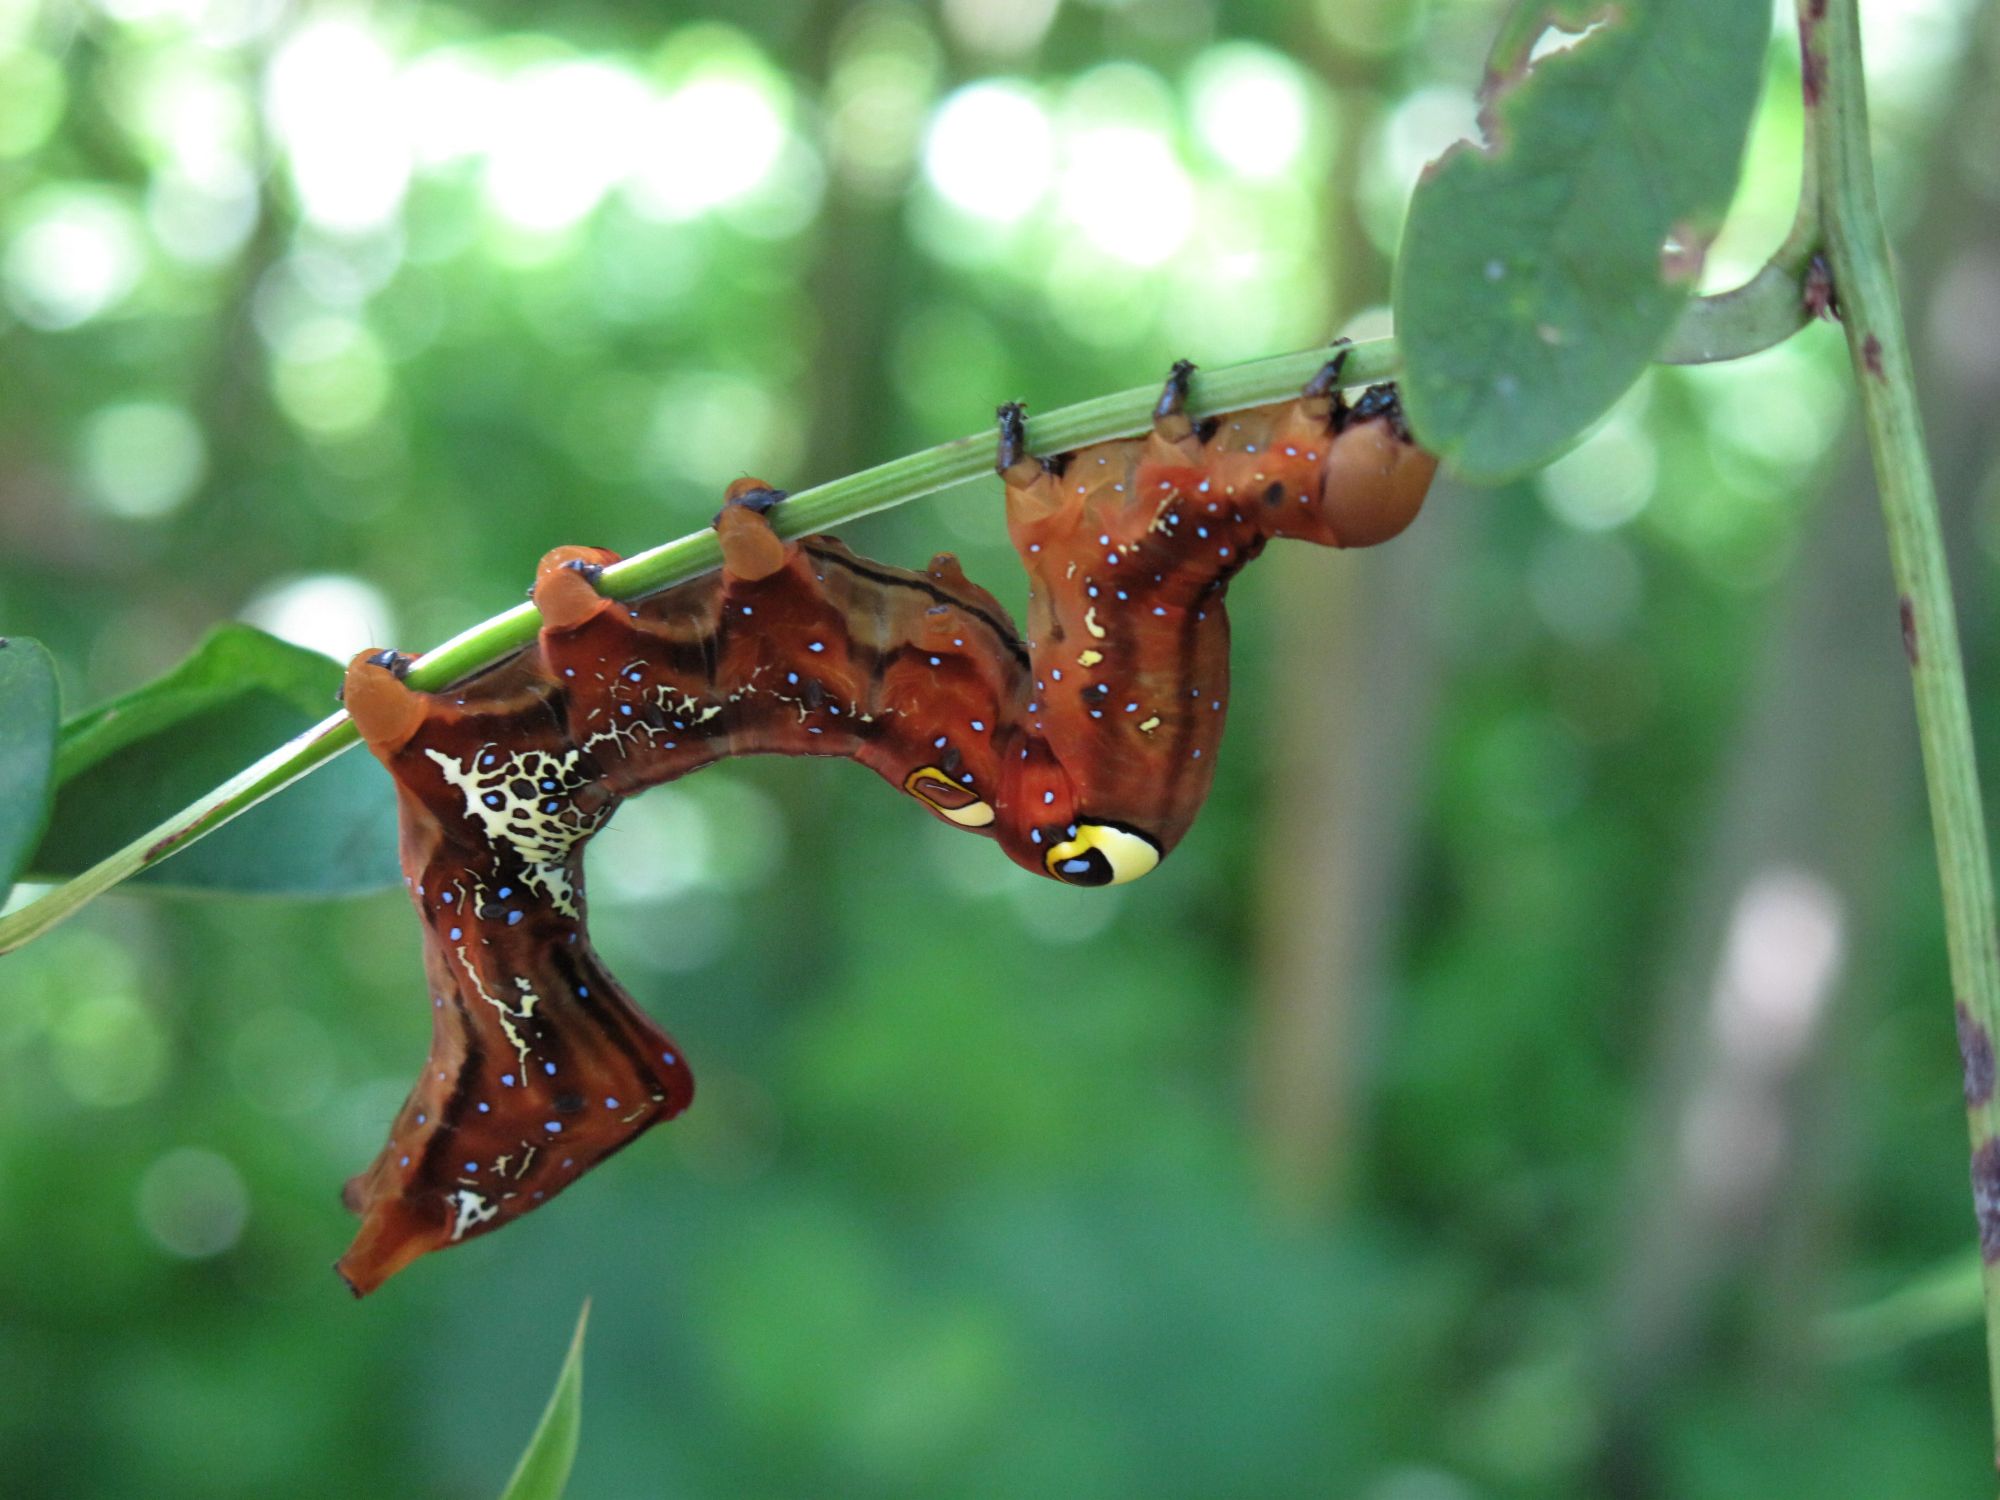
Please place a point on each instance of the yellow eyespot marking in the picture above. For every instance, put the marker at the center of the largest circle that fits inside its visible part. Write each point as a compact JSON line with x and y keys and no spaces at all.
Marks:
{"x":1090,"y":658}
{"x":1147,"y":726}
{"x":1090,"y":622}
{"x":1102,"y":854}
{"x":950,"y":799}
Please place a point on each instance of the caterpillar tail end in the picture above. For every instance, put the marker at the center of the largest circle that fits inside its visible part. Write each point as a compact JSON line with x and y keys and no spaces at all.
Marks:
{"x":1376,"y":476}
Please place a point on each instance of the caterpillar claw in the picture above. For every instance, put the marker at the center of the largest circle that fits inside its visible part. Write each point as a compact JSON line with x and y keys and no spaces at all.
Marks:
{"x":1326,"y":380}
{"x":565,"y":589}
{"x":385,"y":710}
{"x":1012,"y":461}
{"x":1030,"y":481}
{"x":1383,"y":401}
{"x":1322,"y":396}
{"x":753,"y":494}
{"x":751,"y":550}
{"x":1170,"y":418}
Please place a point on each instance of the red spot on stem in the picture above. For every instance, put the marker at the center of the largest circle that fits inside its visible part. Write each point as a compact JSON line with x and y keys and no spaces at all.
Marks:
{"x":1822,"y":299}
{"x":1986,"y":1198}
{"x":1975,"y":1048}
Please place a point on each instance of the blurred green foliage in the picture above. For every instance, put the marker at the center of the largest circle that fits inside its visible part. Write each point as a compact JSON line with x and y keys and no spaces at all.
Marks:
{"x":332,"y":320}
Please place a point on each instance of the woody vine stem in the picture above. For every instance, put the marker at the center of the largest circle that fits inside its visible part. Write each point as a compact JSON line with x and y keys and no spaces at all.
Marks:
{"x":1838,"y":218}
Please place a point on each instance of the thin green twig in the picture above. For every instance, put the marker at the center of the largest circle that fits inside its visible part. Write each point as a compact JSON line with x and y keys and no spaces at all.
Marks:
{"x":1771,"y":306}
{"x":1865,"y":288}
{"x":1767,"y":309}
{"x":891,"y":484}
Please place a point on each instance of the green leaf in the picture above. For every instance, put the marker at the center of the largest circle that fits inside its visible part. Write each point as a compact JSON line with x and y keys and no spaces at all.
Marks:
{"x":1537,"y":279}
{"x":543,"y":1472}
{"x":28,"y":713}
{"x":231,"y":661}
{"x":131,"y":763}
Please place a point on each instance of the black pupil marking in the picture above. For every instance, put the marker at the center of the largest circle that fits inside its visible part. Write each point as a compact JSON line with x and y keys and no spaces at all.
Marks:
{"x":1087,"y":868}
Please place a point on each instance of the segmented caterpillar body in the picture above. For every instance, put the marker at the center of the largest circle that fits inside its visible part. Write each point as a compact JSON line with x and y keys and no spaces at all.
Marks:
{"x":1084,"y":751}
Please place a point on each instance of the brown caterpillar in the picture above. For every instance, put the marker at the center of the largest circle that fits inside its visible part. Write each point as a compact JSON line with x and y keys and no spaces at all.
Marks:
{"x":1085,"y":751}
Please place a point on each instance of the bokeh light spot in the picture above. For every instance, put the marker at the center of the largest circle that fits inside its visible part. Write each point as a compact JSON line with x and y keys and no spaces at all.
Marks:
{"x":325,"y":612}
{"x":331,"y":99}
{"x":142,"y":459}
{"x":108,"y":1050}
{"x":77,"y":254}
{"x":1003,"y":28}
{"x":1127,"y":193}
{"x":330,"y":375}
{"x":563,"y":141}
{"x":710,"y":141}
{"x":990,"y":151}
{"x":1607,"y":479}
{"x":1250,"y":109}
{"x":193,"y":1203}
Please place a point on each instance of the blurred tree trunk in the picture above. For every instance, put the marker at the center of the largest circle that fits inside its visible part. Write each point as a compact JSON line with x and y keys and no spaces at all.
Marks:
{"x":1358,"y":673}
{"x":1732,"y":1170}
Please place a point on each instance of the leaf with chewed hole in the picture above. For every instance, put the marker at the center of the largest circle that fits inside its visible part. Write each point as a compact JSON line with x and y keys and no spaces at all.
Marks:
{"x":29,"y":709}
{"x":126,"y":765}
{"x":543,"y":1472}
{"x":1540,"y":273}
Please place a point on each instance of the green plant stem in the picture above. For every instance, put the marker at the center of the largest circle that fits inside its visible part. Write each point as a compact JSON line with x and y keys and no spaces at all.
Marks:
{"x":891,"y":484}
{"x":1864,"y":284}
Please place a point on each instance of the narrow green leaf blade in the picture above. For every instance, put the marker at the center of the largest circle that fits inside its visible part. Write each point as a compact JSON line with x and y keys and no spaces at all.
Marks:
{"x":1536,"y":281}
{"x":543,"y":1472}
{"x":231,"y":661}
{"x":124,"y":767}
{"x":29,"y":708}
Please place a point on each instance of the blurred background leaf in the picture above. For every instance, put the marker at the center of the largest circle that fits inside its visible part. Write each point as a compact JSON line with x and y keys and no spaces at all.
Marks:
{"x":133,"y":762}
{"x":1543,"y":269}
{"x":29,"y":706}
{"x":543,"y":1472}
{"x":232,"y":661}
